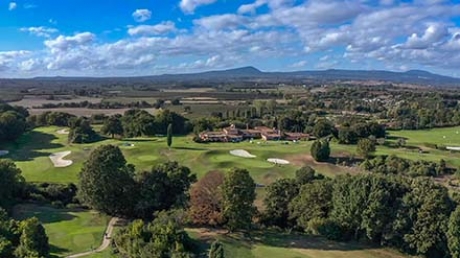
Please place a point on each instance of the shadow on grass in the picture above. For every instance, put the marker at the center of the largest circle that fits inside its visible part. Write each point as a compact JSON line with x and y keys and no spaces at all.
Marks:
{"x":138,"y":140}
{"x":58,"y":250}
{"x":296,"y":240}
{"x":30,"y":145}
{"x":396,"y":138}
{"x":45,"y":214}
{"x":190,"y":148}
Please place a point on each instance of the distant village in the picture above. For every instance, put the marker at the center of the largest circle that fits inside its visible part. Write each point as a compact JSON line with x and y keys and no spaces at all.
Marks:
{"x":233,"y":134}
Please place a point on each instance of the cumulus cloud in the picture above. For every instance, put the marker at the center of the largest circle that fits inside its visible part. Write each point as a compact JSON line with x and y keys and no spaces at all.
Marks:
{"x":251,"y":8}
{"x":142,"y":15}
{"x":189,"y":6}
{"x":333,"y":32}
{"x":12,"y":6}
{"x":40,"y":31}
{"x":161,"y":28}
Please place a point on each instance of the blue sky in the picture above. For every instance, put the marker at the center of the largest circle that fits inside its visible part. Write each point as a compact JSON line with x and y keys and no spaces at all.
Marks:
{"x":144,"y":37}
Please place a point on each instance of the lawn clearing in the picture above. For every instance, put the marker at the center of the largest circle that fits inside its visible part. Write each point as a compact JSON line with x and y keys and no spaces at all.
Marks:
{"x":276,"y":244}
{"x":69,"y":231}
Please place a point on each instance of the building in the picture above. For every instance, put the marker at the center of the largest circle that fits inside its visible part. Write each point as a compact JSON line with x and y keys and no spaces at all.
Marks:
{"x":233,"y":134}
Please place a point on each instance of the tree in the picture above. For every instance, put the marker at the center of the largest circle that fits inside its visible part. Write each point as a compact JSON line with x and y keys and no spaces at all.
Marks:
{"x":320,"y":150}
{"x":322,"y":128}
{"x":313,"y":201}
{"x":82,"y":132}
{"x":11,"y":182}
{"x":238,"y":195}
{"x":112,"y":126}
{"x":33,"y":241}
{"x":106,"y":182}
{"x":453,"y":233}
{"x":217,"y":250}
{"x":169,"y":136}
{"x":278,"y":196}
{"x":165,"y":186}
{"x":305,"y":175}
{"x":163,"y":237}
{"x":365,"y":147}
{"x":206,"y":200}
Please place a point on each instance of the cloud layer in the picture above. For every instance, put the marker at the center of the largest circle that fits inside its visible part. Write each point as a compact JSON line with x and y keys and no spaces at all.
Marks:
{"x":281,"y":34}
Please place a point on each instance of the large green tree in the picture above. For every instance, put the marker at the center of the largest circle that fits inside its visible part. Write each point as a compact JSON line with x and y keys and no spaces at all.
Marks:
{"x":313,"y":201}
{"x":112,"y":126}
{"x":106,"y":182}
{"x":322,"y":128}
{"x":165,"y":186}
{"x":163,"y":237}
{"x":238,"y":194}
{"x":33,"y":241}
{"x":278,"y":196}
{"x":365,"y":147}
{"x":11,"y":182}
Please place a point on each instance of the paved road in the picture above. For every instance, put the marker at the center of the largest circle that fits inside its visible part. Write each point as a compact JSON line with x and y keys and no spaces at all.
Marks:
{"x":105,"y":241}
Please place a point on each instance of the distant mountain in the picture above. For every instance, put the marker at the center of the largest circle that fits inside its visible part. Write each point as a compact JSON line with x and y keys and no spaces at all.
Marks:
{"x":251,"y":74}
{"x":412,"y":76}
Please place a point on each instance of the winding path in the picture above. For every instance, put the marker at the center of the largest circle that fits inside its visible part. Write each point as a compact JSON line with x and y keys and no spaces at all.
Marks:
{"x":105,"y":241}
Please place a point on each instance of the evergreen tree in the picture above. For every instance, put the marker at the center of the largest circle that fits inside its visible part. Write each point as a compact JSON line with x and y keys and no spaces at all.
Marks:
{"x":320,"y":150}
{"x":169,"y":136}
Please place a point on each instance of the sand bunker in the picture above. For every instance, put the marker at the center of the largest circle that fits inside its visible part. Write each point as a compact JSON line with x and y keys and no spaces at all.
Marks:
{"x":242,"y":153}
{"x":3,"y":152}
{"x":58,"y":159}
{"x":278,"y":161}
{"x":62,"y":131}
{"x":453,"y":148}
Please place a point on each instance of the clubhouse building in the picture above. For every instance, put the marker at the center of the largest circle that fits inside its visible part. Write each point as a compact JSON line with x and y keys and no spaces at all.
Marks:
{"x":233,"y":134}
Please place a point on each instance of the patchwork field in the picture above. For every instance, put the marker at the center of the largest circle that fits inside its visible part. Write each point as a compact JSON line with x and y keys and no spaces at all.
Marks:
{"x":69,"y":231}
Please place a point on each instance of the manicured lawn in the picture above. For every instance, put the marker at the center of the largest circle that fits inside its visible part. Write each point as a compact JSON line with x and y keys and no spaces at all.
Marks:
{"x":69,"y":231}
{"x":273,"y":244}
{"x":31,"y":154}
{"x":449,"y":136}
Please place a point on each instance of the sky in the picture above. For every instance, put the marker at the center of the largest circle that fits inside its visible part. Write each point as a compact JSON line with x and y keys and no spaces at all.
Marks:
{"x":149,"y":37}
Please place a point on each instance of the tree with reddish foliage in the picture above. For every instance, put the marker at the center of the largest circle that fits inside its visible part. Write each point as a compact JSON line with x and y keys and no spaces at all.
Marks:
{"x":206,"y":200}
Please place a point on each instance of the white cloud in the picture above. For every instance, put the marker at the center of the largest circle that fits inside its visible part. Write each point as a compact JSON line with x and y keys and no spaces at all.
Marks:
{"x":299,"y":64}
{"x":251,"y":8}
{"x":40,"y":31}
{"x":12,"y":6}
{"x":219,"y":22}
{"x":142,"y":15}
{"x":161,"y":28}
{"x":189,"y":6}
{"x":433,"y":34}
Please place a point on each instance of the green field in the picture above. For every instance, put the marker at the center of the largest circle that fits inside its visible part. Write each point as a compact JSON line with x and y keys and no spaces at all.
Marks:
{"x":69,"y":231}
{"x":275,"y":244}
{"x":31,"y":155}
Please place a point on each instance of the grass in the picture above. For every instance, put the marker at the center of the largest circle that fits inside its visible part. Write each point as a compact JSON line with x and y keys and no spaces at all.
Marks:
{"x":274,"y":244}
{"x":69,"y":231}
{"x":31,"y":154}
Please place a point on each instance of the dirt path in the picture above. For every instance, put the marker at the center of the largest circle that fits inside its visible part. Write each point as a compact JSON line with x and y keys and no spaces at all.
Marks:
{"x":105,"y":241}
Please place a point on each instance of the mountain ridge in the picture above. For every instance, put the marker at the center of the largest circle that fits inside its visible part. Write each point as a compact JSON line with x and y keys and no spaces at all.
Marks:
{"x":252,"y":73}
